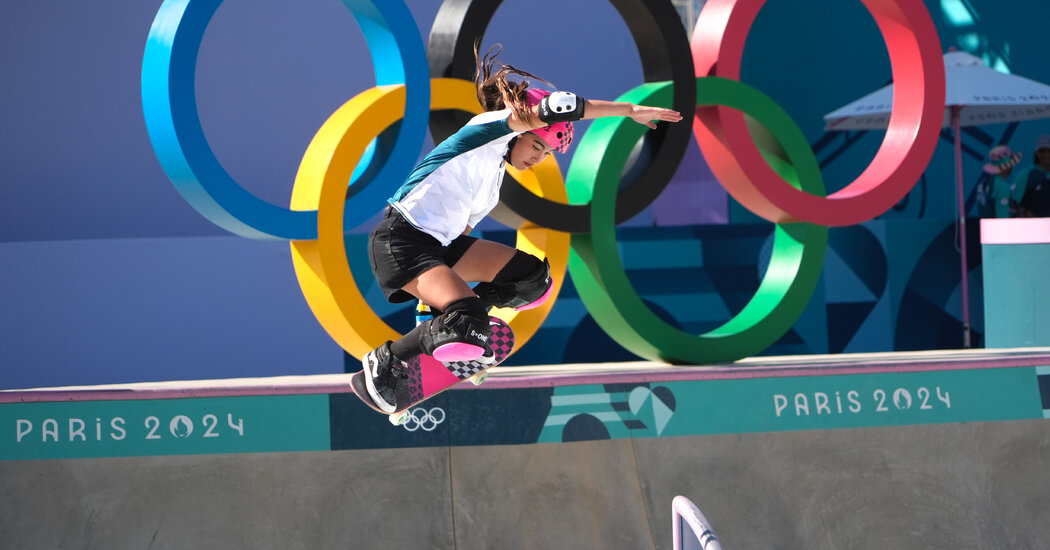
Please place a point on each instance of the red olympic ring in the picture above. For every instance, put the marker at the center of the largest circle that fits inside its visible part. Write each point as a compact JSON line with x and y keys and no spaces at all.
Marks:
{"x":914,"y":127}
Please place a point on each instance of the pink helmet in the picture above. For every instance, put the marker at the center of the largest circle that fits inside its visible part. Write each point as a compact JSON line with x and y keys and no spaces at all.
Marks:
{"x":557,"y":135}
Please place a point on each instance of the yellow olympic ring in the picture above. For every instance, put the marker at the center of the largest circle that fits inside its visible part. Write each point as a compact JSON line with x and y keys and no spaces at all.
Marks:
{"x":322,"y":266}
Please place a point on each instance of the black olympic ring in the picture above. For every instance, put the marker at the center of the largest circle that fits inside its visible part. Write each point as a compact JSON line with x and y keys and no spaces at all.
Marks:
{"x":665,"y":54}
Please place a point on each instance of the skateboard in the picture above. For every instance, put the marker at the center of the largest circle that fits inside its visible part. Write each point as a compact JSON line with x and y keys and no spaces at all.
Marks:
{"x":429,"y":377}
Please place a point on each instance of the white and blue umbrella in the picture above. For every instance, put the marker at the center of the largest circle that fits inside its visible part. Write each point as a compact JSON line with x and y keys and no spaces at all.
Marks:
{"x":975,"y":94}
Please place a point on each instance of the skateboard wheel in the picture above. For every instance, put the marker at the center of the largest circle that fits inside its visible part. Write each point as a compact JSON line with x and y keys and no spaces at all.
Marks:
{"x":398,"y":418}
{"x":478,"y":378}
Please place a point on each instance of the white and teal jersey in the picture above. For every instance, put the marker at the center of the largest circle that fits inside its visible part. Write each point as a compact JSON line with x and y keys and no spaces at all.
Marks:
{"x":457,"y":184}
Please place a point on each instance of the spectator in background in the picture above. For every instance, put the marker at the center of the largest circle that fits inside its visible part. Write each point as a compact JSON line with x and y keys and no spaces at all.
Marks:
{"x":1034,"y":182}
{"x":999,"y":194}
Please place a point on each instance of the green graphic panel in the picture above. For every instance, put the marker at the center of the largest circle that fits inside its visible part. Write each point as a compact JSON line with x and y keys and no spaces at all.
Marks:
{"x":164,"y":427}
{"x":691,"y":408}
{"x":854,"y":401}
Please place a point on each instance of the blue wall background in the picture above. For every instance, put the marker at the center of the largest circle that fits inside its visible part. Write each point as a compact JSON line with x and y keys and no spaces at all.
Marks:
{"x":107,"y":275}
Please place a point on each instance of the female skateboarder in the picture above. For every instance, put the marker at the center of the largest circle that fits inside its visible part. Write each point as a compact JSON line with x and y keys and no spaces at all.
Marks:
{"x":422,"y":247}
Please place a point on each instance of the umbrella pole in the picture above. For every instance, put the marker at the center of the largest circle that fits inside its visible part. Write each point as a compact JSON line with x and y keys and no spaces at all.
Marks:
{"x":956,"y":110}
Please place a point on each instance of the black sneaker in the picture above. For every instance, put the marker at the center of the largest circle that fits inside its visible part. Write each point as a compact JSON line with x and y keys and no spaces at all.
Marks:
{"x":386,"y":378}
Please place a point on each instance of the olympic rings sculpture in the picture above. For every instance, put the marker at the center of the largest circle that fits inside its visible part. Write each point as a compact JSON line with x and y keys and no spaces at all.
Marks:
{"x":543,"y":206}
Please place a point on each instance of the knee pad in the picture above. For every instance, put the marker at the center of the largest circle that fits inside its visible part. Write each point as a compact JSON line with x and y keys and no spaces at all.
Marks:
{"x":460,"y":333}
{"x":524,"y":283}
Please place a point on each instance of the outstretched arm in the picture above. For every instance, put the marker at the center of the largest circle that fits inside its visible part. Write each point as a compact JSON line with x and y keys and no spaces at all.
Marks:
{"x":639,"y":113}
{"x":593,"y":108}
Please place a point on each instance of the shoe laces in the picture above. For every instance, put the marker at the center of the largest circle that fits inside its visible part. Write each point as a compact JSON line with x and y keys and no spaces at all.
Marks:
{"x":390,"y":377}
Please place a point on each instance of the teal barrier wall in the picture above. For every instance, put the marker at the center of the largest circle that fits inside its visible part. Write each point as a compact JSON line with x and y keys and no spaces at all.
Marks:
{"x":1017,"y":293}
{"x":523,"y":416}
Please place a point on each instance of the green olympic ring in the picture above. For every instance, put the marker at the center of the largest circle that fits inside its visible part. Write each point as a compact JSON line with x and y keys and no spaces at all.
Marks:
{"x":596,"y":267}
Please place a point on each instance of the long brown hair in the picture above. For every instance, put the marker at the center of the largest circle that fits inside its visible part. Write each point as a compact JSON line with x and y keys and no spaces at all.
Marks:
{"x":495,"y":90}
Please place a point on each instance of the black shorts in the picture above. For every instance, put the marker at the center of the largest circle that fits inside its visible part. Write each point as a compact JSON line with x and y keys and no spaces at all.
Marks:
{"x":399,"y":252}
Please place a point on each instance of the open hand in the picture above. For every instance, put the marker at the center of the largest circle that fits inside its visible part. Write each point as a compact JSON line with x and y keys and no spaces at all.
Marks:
{"x":650,"y":115}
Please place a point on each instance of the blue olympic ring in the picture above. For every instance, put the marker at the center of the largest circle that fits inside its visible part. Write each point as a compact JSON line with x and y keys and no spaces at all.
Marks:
{"x":170,"y":109}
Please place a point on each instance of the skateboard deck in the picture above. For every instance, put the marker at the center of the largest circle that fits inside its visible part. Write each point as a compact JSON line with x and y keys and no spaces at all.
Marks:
{"x":429,"y":377}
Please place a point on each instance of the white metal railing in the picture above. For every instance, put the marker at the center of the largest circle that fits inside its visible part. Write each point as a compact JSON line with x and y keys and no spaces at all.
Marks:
{"x":691,"y":529}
